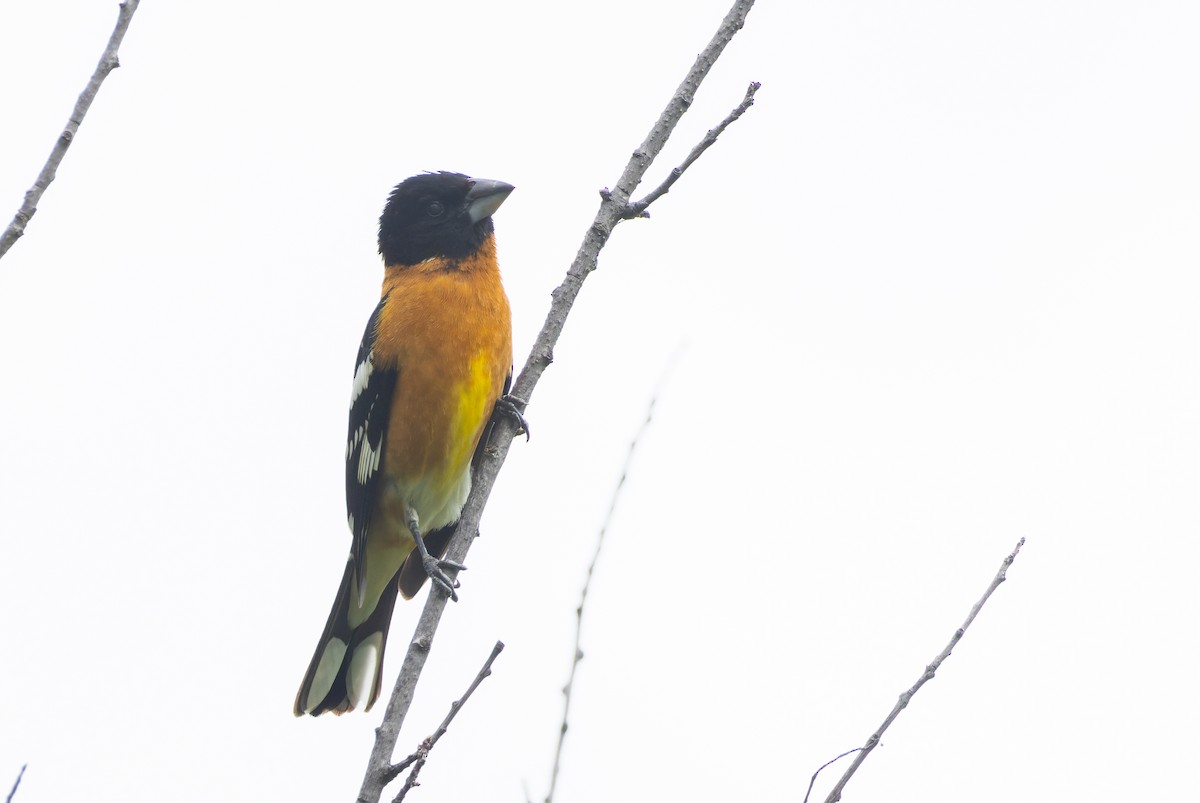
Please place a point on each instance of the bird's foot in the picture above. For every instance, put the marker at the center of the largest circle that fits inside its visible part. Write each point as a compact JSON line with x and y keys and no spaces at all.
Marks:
{"x":433,"y":566}
{"x":436,"y":569}
{"x":510,"y":407}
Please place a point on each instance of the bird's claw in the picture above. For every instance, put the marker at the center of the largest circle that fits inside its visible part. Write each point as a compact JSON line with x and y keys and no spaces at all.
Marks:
{"x":507,"y":405}
{"x":435,"y":568}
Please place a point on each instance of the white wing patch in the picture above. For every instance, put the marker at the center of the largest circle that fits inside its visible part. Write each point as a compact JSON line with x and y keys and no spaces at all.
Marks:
{"x":354,"y":441}
{"x":362,"y":376}
{"x":368,"y":460}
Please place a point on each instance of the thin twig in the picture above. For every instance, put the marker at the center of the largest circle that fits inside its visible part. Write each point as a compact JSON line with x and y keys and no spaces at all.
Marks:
{"x":16,"y":783}
{"x":612,"y":206}
{"x":419,"y":757}
{"x":813,"y":779}
{"x":108,"y":63}
{"x":836,"y":793}
{"x":410,"y":782}
{"x":638,"y":208}
{"x":587,"y":584}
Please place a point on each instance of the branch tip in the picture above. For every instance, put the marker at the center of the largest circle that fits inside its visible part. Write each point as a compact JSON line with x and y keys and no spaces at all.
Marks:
{"x":104,"y":66}
{"x":930,"y":670}
{"x":637,"y":209}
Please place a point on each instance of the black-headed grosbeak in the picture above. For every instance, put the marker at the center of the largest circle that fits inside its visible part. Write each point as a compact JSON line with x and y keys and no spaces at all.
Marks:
{"x":435,"y":360}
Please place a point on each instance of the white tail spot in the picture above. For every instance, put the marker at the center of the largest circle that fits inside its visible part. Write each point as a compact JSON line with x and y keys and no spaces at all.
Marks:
{"x":364,"y":666}
{"x":327,"y":670}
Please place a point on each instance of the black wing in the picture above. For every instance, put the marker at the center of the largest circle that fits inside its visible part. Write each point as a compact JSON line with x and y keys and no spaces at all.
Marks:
{"x":370,"y":406}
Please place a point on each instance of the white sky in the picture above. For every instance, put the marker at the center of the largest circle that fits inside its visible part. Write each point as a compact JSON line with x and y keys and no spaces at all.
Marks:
{"x":935,"y":292}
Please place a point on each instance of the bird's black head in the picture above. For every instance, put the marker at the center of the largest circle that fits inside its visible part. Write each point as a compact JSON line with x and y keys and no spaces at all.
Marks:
{"x":438,"y":215}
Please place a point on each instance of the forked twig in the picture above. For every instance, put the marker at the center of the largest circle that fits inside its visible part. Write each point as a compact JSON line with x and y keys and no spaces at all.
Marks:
{"x":638,"y":208}
{"x":417,"y":759}
{"x":836,"y":758}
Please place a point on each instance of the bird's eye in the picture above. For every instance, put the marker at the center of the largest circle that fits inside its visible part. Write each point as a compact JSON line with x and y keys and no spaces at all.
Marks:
{"x":435,"y":209}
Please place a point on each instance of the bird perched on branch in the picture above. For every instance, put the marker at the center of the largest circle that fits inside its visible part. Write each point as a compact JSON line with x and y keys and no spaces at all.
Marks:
{"x":434,"y":365}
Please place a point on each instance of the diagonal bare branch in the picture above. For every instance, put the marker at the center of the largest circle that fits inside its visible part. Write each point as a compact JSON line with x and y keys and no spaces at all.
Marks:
{"x":108,"y":63}
{"x":611,"y":212}
{"x":836,"y":793}
{"x":638,"y":208}
{"x":417,"y":760}
{"x":13,"y":792}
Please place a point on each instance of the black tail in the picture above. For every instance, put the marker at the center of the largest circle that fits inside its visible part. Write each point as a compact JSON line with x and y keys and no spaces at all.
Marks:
{"x":348,"y":661}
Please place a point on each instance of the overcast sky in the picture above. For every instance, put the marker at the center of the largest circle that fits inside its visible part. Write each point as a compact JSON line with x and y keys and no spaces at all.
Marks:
{"x":934,"y":293}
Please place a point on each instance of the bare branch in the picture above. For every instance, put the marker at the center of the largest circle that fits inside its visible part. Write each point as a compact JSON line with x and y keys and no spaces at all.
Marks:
{"x":12,"y":792}
{"x":836,"y":794}
{"x":418,"y":758}
{"x":484,"y":673}
{"x":108,"y":63}
{"x":638,"y":208}
{"x":587,"y":584}
{"x":612,"y":207}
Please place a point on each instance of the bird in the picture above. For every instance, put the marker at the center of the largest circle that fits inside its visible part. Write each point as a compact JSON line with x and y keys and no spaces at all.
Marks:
{"x":433,"y":368}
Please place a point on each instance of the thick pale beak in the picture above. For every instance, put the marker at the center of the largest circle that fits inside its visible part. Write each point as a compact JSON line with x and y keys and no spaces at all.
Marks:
{"x":485,"y":197}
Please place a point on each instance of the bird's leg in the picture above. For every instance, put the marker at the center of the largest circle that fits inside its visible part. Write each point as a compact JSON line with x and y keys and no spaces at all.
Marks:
{"x":507,"y":406}
{"x":434,"y":567}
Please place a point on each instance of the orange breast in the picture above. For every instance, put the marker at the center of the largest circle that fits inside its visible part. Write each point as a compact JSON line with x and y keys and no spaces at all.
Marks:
{"x":447,"y":328}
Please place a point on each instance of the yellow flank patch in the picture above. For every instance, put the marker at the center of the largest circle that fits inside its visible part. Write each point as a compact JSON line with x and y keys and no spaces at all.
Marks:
{"x":473,"y":398}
